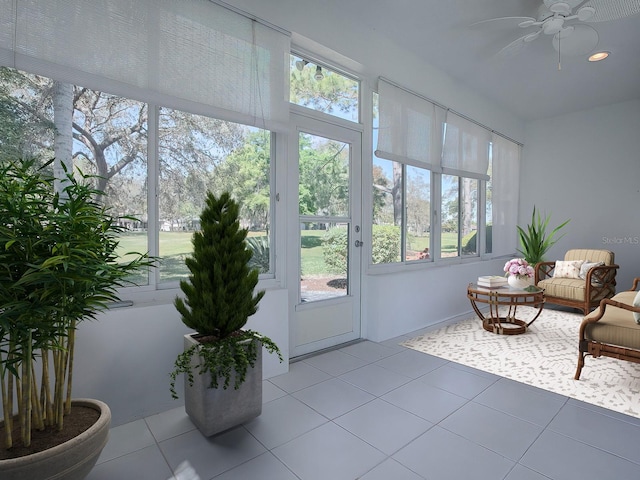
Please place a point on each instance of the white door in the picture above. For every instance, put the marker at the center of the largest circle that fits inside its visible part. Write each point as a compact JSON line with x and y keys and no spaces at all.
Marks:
{"x":329,"y":235}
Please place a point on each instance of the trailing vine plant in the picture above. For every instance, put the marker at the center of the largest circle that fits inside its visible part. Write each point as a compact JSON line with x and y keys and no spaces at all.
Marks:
{"x":223,"y":359}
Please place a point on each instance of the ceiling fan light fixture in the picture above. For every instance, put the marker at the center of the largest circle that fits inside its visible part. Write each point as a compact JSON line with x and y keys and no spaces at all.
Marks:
{"x":581,"y":40}
{"x":596,"y":57}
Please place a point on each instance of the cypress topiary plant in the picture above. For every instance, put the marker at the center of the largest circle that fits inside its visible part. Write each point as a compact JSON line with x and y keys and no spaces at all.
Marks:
{"x":220,"y":298}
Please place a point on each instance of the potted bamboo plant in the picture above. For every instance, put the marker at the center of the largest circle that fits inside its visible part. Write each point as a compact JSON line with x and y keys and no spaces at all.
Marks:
{"x":219,"y":298}
{"x":58,"y":267}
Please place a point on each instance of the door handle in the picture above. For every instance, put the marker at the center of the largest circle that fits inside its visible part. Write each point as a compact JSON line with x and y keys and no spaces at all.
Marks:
{"x":358,"y":243}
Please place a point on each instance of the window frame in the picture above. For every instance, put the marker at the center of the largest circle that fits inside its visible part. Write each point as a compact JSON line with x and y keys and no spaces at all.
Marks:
{"x":146,"y":292}
{"x":319,"y":114}
{"x":435,"y":221}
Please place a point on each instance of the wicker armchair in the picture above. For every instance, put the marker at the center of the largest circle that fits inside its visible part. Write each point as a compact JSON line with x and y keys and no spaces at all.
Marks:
{"x":611,"y":330}
{"x":581,"y":293}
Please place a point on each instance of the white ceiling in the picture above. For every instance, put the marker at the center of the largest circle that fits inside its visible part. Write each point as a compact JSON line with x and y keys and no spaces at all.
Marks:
{"x":528,"y":83}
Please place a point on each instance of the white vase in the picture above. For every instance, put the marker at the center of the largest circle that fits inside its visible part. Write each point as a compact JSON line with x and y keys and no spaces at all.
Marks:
{"x":519,"y":283}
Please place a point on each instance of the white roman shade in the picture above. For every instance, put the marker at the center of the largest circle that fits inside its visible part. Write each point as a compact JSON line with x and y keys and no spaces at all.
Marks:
{"x":505,"y":178}
{"x":466,"y":148}
{"x":191,"y":54}
{"x":410,"y":127}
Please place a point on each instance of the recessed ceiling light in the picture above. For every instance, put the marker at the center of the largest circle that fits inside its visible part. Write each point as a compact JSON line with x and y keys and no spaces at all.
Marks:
{"x":596,"y":57}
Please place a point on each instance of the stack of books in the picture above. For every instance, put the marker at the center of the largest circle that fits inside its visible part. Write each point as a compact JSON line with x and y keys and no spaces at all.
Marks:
{"x":492,"y":281}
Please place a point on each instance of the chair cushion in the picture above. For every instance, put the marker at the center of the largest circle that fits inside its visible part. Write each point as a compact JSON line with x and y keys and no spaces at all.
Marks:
{"x":636,"y":303}
{"x":626,"y":296}
{"x":617,"y":327}
{"x":569,"y":288}
{"x":587,"y":254}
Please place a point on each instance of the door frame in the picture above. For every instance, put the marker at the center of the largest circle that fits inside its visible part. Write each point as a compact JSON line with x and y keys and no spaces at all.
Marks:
{"x":304,"y":314}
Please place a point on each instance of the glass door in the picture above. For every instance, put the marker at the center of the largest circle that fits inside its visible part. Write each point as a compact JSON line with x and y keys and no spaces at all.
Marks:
{"x":327,"y":310}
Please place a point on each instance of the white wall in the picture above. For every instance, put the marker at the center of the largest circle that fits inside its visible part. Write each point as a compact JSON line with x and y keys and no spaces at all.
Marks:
{"x":404,"y":302}
{"x":585,"y":166}
{"x":125,"y":357}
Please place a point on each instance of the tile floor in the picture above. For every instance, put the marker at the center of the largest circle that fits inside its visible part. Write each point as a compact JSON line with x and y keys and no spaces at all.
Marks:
{"x":378,"y":411}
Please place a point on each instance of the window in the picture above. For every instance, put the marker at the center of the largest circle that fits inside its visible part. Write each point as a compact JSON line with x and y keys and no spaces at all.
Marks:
{"x":459,"y":208}
{"x":109,"y":138}
{"x":197,"y":154}
{"x":387,"y":212}
{"x":322,"y":89}
{"x":401,"y":227}
{"x":417,"y":221}
{"x":419,"y":144}
{"x":324,"y":200}
{"x":106,"y":134}
{"x":156,"y":135}
{"x":401,"y":212}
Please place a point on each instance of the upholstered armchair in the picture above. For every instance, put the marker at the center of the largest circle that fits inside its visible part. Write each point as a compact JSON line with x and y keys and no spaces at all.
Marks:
{"x":581,"y":280}
{"x":613,"y":330}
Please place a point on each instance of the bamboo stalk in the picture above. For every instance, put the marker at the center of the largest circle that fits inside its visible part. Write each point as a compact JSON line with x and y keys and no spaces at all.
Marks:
{"x":25,"y":385}
{"x":10,"y":385}
{"x":45,"y":389}
{"x":36,"y":409}
{"x":70,"y":347}
{"x":11,"y":379}
{"x":6,"y":412}
{"x":58,"y":395}
{"x":18,"y":387}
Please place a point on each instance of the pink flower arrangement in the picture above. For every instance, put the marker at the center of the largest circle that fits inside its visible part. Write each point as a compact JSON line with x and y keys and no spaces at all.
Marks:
{"x":519,"y":267}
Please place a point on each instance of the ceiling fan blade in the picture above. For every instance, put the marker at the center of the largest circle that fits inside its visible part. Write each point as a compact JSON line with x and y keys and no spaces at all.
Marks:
{"x":606,"y":10}
{"x":503,"y":22}
{"x":563,"y":8}
{"x":514,"y":47}
{"x":581,"y":41}
{"x":585,"y":13}
{"x":531,"y":37}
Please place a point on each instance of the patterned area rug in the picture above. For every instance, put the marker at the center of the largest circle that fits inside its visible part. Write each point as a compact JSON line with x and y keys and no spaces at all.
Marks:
{"x":545,"y":357}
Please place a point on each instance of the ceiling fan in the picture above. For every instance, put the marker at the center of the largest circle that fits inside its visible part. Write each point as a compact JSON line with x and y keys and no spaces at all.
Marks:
{"x":566,"y":23}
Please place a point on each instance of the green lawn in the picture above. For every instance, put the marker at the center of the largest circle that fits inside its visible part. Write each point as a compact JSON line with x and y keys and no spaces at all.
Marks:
{"x":311,"y":255}
{"x":175,"y":246}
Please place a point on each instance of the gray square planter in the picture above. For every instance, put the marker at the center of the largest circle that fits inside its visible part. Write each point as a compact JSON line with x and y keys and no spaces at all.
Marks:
{"x":214,"y":410}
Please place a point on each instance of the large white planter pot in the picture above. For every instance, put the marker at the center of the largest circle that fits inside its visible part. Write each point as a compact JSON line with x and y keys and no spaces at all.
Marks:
{"x":72,"y":460}
{"x":214,"y":410}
